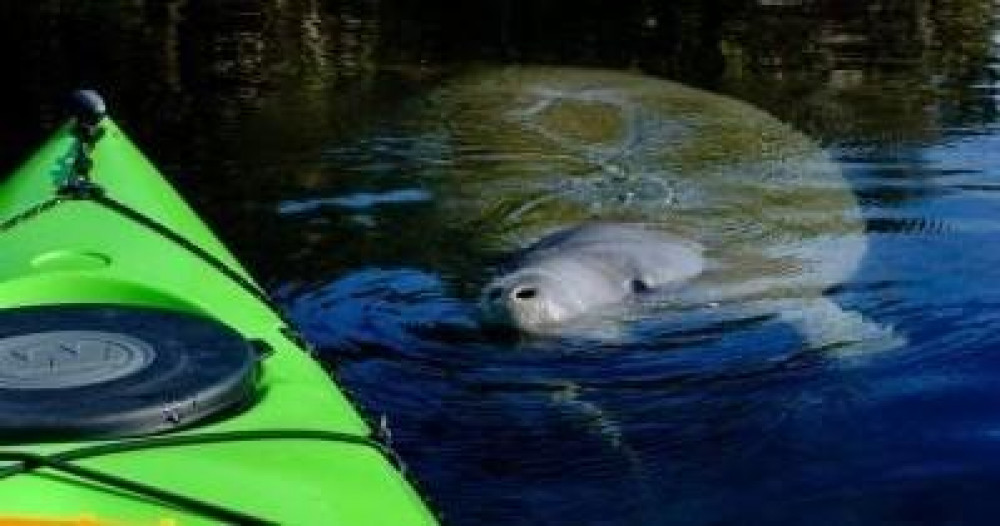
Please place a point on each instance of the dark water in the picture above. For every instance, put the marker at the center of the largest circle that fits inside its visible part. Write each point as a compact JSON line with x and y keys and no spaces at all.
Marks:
{"x":256,"y":110}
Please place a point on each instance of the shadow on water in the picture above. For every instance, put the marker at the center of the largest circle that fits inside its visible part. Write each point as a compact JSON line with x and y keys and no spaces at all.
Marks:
{"x":256,"y":110}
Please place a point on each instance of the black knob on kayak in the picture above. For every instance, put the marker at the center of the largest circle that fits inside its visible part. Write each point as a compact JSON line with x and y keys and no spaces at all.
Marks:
{"x":88,"y":107}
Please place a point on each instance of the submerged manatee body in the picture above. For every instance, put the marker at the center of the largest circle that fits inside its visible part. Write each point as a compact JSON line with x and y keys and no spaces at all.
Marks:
{"x":520,"y":152}
{"x":577,"y":271}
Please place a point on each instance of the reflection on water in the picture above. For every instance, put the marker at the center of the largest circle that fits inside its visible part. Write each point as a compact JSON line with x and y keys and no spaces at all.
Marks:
{"x":359,"y":201}
{"x":257,"y":108}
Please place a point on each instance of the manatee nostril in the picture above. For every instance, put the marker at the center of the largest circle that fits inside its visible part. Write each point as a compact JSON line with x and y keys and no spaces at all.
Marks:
{"x":525,"y":293}
{"x":640,"y":286}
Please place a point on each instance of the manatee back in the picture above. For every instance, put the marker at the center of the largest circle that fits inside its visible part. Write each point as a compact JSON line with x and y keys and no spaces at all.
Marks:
{"x":524,"y":151}
{"x":638,"y":256}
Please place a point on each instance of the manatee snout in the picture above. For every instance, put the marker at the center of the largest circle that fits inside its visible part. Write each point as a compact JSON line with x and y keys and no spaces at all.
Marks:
{"x":532,"y":301}
{"x":500,"y":299}
{"x":576,"y":272}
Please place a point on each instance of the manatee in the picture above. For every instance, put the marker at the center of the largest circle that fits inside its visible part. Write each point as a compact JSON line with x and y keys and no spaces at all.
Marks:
{"x":518,"y":152}
{"x":575,"y":272}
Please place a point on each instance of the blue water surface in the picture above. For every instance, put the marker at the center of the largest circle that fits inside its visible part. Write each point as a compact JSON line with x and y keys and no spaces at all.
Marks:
{"x":739,"y":425}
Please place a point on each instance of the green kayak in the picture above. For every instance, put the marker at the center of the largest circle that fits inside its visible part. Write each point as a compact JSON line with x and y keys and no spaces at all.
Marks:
{"x":145,"y":379}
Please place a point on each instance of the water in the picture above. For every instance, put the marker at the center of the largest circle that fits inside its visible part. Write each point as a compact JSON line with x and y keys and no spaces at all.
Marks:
{"x":276,"y":119}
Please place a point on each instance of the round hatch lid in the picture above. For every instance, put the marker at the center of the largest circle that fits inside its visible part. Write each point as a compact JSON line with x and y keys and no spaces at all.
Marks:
{"x":102,"y":371}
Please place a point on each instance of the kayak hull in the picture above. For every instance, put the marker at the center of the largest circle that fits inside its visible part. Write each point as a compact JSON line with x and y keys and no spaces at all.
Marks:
{"x":297,"y":453}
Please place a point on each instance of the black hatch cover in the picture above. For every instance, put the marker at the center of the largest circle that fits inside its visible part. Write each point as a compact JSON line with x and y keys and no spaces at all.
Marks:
{"x":104,"y":371}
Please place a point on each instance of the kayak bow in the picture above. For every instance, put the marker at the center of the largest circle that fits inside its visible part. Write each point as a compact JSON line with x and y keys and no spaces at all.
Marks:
{"x":145,"y":378}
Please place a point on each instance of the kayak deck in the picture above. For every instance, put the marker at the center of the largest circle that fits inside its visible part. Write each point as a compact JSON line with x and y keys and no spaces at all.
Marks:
{"x":298,"y":453}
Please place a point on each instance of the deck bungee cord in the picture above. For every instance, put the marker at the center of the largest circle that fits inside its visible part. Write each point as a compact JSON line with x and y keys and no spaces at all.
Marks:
{"x":65,"y":462}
